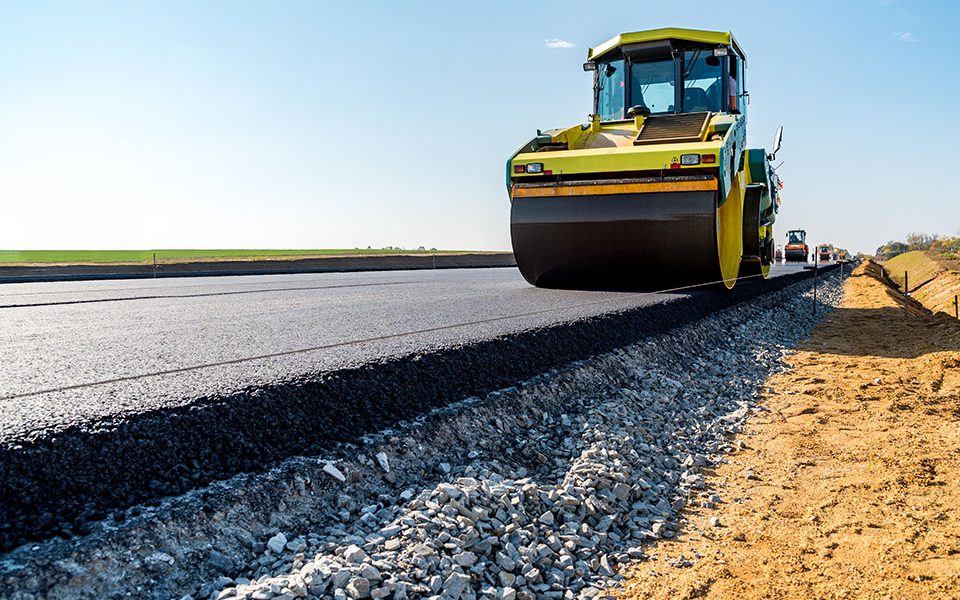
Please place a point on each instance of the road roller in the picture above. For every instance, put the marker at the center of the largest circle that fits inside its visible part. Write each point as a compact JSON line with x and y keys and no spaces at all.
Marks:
{"x":796,"y":249}
{"x":657,"y":189}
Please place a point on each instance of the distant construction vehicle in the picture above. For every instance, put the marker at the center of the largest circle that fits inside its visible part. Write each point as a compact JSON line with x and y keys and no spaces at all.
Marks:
{"x":658,"y":187}
{"x":778,"y":256}
{"x":796,"y":249}
{"x":826,"y":254}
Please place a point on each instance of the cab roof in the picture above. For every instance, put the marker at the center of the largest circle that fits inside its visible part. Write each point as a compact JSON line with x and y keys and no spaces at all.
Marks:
{"x":719,"y":38}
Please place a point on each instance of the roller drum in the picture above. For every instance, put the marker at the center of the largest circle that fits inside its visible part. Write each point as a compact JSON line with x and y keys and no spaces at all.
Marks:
{"x":651,"y":240}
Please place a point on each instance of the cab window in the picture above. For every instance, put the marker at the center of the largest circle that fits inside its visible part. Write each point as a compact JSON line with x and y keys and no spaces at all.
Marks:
{"x":702,"y":82}
{"x":610,"y":90}
{"x":737,"y":85}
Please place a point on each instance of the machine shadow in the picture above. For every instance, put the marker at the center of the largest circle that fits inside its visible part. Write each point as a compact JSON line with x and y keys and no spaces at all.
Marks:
{"x":679,"y":289}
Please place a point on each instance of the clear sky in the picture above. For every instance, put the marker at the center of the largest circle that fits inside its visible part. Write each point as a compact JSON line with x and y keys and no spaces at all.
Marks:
{"x":340,"y":124}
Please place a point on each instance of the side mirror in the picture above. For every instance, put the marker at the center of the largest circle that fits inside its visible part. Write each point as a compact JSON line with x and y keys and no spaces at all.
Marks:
{"x":589,"y":66}
{"x":776,"y":142}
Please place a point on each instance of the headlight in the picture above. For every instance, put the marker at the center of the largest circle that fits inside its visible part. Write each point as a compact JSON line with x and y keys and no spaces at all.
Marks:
{"x":535,"y":168}
{"x":689,"y":159}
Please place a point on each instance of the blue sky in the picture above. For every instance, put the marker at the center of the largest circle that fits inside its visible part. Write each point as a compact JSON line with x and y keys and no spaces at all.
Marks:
{"x":314,"y":124}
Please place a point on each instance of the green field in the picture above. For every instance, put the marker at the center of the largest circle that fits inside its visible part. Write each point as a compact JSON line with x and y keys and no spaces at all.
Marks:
{"x":10,"y":257}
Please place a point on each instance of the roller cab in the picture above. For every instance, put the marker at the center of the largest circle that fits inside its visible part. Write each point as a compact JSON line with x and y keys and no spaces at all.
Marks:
{"x":657,"y":188}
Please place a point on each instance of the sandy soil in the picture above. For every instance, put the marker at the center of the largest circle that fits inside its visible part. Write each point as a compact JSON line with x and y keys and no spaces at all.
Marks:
{"x":850,"y":486}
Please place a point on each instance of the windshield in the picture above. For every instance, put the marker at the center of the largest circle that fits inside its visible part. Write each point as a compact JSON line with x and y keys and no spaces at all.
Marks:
{"x":652,"y":84}
{"x":794,"y":237}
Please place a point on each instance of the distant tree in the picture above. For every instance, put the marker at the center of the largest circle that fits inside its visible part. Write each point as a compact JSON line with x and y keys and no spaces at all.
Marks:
{"x":921,"y":241}
{"x":948,"y":247}
{"x":891,"y":249}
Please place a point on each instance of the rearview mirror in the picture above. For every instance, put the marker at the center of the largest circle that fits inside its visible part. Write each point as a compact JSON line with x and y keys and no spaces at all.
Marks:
{"x":776,"y":140}
{"x":589,"y":66}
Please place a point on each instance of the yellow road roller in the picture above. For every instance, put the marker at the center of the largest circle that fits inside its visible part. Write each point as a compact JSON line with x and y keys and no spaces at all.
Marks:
{"x":658,"y":188}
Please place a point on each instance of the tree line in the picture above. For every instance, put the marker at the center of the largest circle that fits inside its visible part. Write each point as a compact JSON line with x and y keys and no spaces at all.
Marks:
{"x":946,"y":246}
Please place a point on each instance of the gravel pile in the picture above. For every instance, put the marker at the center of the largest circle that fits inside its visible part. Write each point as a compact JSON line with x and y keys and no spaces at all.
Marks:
{"x":538,"y":491}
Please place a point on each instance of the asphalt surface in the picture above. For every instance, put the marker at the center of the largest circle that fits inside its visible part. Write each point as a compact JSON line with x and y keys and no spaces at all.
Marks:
{"x":76,"y":352}
{"x":115,"y":392}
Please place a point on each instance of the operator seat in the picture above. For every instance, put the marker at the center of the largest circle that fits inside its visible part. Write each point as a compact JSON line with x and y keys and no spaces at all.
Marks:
{"x":713,"y":95}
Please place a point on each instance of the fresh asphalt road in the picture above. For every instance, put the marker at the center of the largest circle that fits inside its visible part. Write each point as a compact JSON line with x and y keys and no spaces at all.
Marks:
{"x":77,"y":352}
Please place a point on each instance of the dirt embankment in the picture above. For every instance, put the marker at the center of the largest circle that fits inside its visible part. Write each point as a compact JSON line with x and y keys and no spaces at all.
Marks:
{"x":850,"y":488}
{"x":934,"y":282}
{"x":939,"y":294}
